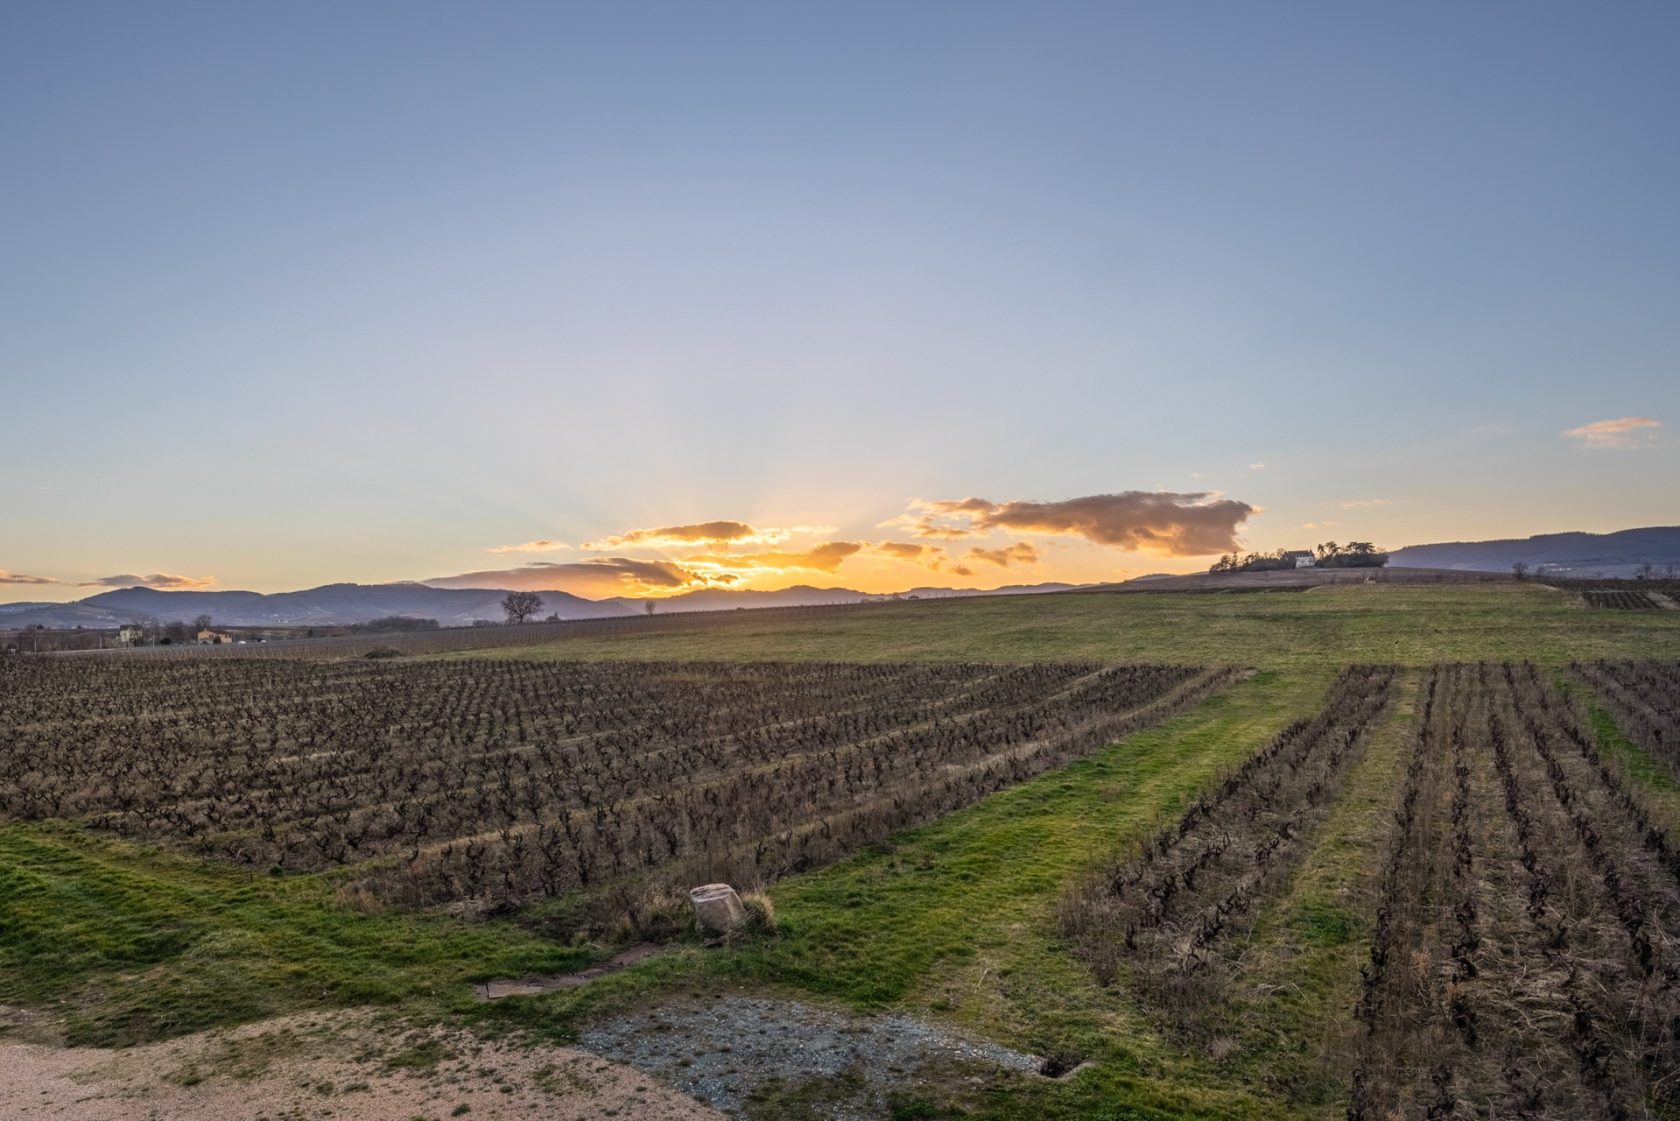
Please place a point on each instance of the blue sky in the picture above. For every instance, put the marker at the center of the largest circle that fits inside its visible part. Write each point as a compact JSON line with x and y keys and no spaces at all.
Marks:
{"x":300,"y":293}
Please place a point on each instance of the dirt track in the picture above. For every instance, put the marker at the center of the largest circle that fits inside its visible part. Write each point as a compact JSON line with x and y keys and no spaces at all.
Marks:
{"x":319,"y":1066}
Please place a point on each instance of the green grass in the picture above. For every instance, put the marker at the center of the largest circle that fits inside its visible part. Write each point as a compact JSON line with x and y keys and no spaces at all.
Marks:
{"x":1635,"y":761}
{"x":132,"y":944}
{"x":1658,"y":788}
{"x":1414,"y":625}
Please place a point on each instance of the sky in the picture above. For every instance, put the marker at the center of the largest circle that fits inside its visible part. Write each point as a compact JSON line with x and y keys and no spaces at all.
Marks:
{"x":632,"y":298}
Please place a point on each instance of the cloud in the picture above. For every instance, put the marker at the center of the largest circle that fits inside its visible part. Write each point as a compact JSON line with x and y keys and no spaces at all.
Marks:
{"x":1326,"y":524}
{"x":1363,"y":503}
{"x":1257,"y":466}
{"x":907,"y":550}
{"x":600,"y":577}
{"x":826,"y":557}
{"x":542,"y":546}
{"x":1163,"y":522}
{"x":595,"y":577}
{"x":703,"y":533}
{"x":1623,"y":434}
{"x":943,"y":521}
{"x":20,"y":578}
{"x":159,"y":581}
{"x":1021,"y":552}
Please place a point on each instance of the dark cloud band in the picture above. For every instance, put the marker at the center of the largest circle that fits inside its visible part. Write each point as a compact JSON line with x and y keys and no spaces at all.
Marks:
{"x":1166,"y":522}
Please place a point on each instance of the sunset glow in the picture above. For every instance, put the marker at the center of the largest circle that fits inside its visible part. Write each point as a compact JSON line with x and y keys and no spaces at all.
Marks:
{"x":631,"y":300}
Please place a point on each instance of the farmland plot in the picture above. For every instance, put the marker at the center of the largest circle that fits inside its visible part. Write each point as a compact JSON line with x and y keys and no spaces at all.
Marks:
{"x":1620,"y":599}
{"x":1644,"y":699}
{"x":1525,"y":932}
{"x":504,"y":782}
{"x":1527,"y":947}
{"x":1171,"y":919}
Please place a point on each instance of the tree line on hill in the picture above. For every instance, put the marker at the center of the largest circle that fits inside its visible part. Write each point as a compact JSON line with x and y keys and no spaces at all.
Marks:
{"x":1355,"y":554}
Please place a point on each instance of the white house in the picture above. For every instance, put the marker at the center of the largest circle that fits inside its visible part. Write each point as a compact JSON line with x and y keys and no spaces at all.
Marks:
{"x":1301,"y":558}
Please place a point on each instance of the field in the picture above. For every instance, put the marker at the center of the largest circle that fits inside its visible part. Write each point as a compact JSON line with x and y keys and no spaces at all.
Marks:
{"x":1412,"y":854}
{"x":1526,"y":953}
{"x":1620,"y":600}
{"x":496,"y":785}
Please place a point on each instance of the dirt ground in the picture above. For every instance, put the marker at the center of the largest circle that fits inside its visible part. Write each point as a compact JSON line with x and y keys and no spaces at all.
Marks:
{"x":350,"y":1066}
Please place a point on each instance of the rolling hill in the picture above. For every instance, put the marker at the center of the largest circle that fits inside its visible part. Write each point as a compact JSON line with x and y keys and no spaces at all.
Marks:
{"x":343,"y":604}
{"x":1619,"y":554}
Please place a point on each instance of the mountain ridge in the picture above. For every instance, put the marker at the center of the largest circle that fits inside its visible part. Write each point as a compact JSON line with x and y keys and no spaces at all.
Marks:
{"x":343,"y":604}
{"x":1622,"y":553}
{"x":1572,"y":553}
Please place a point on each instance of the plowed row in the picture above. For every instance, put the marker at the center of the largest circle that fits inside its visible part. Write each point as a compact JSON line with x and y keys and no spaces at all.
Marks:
{"x":1527,"y":948}
{"x":502,"y":782}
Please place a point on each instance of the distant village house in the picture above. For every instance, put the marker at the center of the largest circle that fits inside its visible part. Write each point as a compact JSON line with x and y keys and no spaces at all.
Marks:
{"x":130,"y":634}
{"x":1300,"y":558}
{"x":208,"y":637}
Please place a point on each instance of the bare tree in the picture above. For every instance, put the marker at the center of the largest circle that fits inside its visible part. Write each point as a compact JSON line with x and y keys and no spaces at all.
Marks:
{"x":1519,"y":569}
{"x":520,"y":606}
{"x":648,"y":606}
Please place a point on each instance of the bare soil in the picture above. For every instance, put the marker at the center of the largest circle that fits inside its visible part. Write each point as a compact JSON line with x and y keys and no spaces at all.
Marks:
{"x":349,"y":1066}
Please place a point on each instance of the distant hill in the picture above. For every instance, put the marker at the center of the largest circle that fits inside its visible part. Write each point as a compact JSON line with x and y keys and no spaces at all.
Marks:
{"x":1566,"y":554}
{"x":803,"y":595}
{"x":341,"y":604}
{"x":324,"y":606}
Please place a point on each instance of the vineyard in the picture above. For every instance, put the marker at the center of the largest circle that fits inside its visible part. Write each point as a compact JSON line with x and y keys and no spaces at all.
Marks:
{"x":1171,"y":920}
{"x":1620,"y":599}
{"x":1525,"y":948}
{"x":1644,"y":699}
{"x":499,"y":783}
{"x":1386,"y":892}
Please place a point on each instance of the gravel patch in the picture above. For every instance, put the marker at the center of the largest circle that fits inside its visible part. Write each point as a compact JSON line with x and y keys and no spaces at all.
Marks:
{"x":721,"y":1050}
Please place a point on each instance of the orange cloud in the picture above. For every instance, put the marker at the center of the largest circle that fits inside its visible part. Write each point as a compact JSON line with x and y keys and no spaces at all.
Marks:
{"x":1021,"y":552}
{"x":593,"y":578}
{"x":161,"y":581}
{"x":1163,"y":522}
{"x":703,"y":533}
{"x":907,"y":550}
{"x":941,"y":521}
{"x":826,"y":557}
{"x":1623,"y":434}
{"x":542,"y":546}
